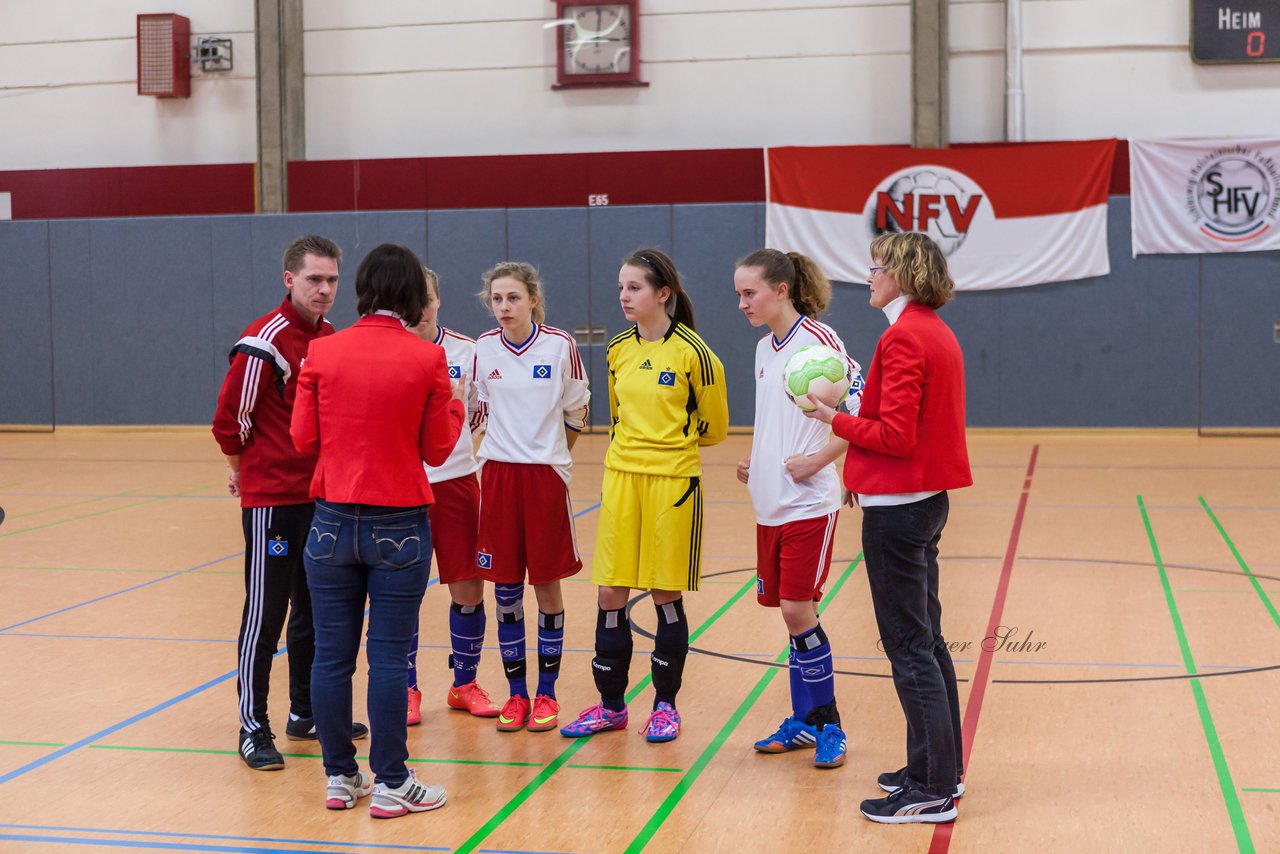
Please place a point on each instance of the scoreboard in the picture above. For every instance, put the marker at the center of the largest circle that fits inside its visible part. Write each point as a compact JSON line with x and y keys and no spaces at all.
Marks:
{"x":1235,"y":31}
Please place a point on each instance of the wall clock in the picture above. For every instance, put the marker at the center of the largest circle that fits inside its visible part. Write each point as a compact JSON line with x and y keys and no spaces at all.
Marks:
{"x":597,"y":44}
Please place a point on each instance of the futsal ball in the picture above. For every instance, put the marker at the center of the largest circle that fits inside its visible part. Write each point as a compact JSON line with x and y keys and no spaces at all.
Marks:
{"x":820,"y":371}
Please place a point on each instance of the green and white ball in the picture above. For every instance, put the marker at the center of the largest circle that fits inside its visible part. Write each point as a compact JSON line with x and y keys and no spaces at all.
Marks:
{"x":820,"y":371}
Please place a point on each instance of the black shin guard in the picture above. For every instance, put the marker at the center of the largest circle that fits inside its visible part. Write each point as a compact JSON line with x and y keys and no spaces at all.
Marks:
{"x":670,"y":648}
{"x":613,"y":657}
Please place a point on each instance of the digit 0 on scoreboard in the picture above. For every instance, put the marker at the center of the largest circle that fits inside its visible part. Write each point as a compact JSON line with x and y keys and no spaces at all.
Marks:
{"x":1235,"y":31}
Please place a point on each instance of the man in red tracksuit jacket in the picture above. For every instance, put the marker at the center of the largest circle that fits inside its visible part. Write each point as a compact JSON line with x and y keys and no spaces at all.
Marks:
{"x":273,"y":482}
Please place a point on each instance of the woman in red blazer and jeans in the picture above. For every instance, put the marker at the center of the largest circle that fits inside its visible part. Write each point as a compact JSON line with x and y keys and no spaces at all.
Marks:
{"x":906,"y":449}
{"x":375,"y":401}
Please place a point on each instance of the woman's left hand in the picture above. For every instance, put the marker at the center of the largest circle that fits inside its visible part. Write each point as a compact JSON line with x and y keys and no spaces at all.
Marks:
{"x":821,"y":411}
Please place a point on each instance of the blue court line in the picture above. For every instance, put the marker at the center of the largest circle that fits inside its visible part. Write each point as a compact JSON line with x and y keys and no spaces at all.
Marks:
{"x":210,"y":836}
{"x":595,"y":506}
{"x":116,"y":637}
{"x":101,"y":734}
{"x":119,"y":592}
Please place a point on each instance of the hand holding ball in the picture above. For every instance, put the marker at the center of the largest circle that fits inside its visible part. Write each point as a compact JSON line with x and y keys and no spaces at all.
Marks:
{"x":819,"y":371}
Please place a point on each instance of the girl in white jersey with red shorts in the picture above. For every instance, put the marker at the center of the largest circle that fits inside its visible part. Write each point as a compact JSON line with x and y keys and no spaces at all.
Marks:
{"x":533,"y":390}
{"x":454,"y":519}
{"x":795,"y":489}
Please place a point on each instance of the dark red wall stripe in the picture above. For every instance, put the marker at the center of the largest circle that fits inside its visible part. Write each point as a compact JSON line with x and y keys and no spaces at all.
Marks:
{"x":130,"y":191}
{"x":530,"y":180}
{"x":414,"y":183}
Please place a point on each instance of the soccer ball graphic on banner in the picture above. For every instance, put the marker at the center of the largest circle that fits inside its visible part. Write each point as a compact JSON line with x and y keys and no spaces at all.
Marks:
{"x":907,"y":192}
{"x":820,"y":371}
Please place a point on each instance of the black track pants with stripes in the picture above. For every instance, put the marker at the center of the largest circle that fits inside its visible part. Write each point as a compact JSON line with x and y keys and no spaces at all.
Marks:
{"x":274,"y":578}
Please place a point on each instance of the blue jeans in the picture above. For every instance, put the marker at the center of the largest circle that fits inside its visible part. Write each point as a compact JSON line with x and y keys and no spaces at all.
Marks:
{"x":354,"y":550}
{"x":900,"y":544}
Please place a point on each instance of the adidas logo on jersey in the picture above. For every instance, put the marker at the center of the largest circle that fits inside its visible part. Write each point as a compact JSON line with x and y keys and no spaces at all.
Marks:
{"x":495,"y":374}
{"x":645,"y":366}
{"x":761,"y":374}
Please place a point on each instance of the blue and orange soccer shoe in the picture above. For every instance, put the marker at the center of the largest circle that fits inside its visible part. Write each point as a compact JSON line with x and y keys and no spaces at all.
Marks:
{"x":791,"y":735}
{"x":593,"y":720}
{"x":831,"y":747}
{"x":663,"y":725}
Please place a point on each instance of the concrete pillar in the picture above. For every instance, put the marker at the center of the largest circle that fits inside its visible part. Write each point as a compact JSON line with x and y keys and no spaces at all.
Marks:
{"x":281,"y":110}
{"x":929,"y":53}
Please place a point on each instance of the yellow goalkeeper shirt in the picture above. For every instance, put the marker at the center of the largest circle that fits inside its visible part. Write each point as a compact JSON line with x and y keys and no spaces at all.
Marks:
{"x":666,"y":398}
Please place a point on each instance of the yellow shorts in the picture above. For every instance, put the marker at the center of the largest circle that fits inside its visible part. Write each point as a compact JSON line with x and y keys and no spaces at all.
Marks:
{"x":650,"y":532}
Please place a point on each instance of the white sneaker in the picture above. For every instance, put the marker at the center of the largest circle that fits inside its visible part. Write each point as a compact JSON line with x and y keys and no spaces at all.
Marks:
{"x":409,"y":796}
{"x":345,"y":790}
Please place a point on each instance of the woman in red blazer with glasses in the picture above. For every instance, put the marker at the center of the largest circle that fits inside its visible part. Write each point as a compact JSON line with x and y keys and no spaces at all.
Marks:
{"x":906,"y":449}
{"x":375,"y":401}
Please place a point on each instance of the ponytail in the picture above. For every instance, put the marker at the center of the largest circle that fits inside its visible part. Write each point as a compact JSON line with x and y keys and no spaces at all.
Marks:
{"x":660,"y":272}
{"x":807,"y":286}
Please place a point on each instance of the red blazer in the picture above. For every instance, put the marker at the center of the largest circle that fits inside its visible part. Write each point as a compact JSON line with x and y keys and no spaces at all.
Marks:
{"x":374,"y":400}
{"x":909,"y":434}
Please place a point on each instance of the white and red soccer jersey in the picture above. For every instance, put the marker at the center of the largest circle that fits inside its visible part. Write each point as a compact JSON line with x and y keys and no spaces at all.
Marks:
{"x":460,"y":353}
{"x":782,"y":430}
{"x":529,"y":393}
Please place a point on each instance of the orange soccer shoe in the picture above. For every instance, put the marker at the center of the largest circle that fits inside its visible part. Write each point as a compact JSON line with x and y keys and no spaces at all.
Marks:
{"x":414,"y":716}
{"x":545,"y":715}
{"x":515,"y":714}
{"x":472,"y":698}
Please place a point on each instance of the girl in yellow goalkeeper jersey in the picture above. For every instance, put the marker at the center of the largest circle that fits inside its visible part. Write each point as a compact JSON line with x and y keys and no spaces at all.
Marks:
{"x":666,"y":398}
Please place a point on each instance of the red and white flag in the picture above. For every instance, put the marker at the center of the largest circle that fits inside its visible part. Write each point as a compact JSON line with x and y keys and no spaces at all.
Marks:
{"x":1005,"y":215}
{"x":1205,"y":195}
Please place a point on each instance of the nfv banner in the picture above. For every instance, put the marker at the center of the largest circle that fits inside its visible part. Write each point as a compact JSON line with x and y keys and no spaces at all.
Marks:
{"x":1205,"y":195}
{"x":1005,"y":215}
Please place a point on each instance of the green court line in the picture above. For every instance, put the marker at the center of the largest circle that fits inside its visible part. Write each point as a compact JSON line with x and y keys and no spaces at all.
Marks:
{"x":1270,"y":791}
{"x":103,"y":512}
{"x":31,"y":744}
{"x":625,"y":768}
{"x":691,"y":776}
{"x":219,"y":752}
{"x":1244,"y":841}
{"x":65,"y":506}
{"x":84,"y":569}
{"x":1257,"y":585}
{"x":473,"y":841}
{"x":120,"y":569}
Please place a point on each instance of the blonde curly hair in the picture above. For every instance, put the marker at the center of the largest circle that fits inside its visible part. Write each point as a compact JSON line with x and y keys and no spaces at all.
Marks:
{"x":918,"y":265}
{"x":525,"y":274}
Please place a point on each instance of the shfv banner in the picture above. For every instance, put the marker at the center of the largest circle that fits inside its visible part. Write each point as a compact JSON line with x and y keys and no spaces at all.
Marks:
{"x":1005,"y":215}
{"x":1205,"y":195}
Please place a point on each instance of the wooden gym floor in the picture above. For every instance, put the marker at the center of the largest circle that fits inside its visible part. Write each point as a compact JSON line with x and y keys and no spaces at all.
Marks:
{"x":1118,"y":565}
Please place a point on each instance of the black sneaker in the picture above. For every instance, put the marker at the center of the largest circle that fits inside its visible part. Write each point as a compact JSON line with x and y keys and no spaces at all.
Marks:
{"x":258,"y":752}
{"x":304,"y":729}
{"x":891,"y":781}
{"x":910,"y":806}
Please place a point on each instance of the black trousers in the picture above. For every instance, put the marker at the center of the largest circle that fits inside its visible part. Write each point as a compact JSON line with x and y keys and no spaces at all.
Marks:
{"x":274,"y":579}
{"x":900,"y":544}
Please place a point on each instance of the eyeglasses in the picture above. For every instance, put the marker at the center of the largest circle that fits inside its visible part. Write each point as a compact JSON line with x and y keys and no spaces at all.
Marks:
{"x":876,"y":269}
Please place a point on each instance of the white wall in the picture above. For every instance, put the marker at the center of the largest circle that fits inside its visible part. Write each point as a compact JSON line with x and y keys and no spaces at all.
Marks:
{"x":68,"y":87}
{"x":459,"y":77}
{"x":1099,"y":68}
{"x":403,"y":78}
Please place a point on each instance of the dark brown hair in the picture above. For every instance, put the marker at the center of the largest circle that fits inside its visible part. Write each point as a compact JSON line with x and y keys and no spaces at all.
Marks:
{"x":660,"y":272}
{"x":807,"y":286}
{"x":390,"y":278}
{"x":309,"y":244}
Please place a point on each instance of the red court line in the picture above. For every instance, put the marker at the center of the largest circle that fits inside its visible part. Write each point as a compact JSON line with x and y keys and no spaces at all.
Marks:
{"x":981,"y":677}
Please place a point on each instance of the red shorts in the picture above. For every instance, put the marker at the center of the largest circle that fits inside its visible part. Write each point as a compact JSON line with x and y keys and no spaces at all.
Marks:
{"x":454,"y":518}
{"x":526,"y":522}
{"x":793,"y":559}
